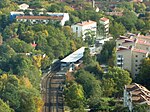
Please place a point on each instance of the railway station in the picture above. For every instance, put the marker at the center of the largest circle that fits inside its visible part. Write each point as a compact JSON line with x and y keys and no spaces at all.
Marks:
{"x":73,"y":60}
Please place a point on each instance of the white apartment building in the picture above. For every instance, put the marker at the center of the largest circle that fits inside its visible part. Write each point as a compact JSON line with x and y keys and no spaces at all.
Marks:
{"x":49,"y":15}
{"x":85,"y":28}
{"x":104,"y":27}
{"x":131,"y":50}
{"x":135,"y":94}
{"x":39,"y":19}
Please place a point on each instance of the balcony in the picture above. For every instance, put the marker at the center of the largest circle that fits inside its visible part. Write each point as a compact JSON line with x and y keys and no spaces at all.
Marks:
{"x":119,"y":63}
{"x":120,"y":58}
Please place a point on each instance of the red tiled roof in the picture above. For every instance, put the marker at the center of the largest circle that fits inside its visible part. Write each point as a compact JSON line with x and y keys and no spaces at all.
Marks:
{"x":34,"y":45}
{"x":40,"y":17}
{"x":104,"y":19}
{"x":142,"y":36}
{"x":139,"y":41}
{"x":86,"y":23}
{"x":140,"y":51}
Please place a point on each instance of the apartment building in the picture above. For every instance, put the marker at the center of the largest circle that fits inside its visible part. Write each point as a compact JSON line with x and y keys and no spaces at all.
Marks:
{"x":104,"y":27}
{"x":20,"y":16}
{"x":85,"y":28}
{"x":135,"y":94}
{"x":38,"y":19}
{"x":131,"y":50}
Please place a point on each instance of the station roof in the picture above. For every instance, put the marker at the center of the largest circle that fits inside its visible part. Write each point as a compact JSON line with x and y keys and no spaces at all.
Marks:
{"x":75,"y":56}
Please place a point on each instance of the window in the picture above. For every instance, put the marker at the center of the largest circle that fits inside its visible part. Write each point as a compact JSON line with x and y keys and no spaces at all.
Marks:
{"x":136,"y":60}
{"x":136,"y":70}
{"x":76,"y":28}
{"x":136,"y":65}
{"x":119,"y":56}
{"x":136,"y":55}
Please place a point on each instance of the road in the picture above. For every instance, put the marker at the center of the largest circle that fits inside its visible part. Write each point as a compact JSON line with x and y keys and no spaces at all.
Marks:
{"x":52,"y":92}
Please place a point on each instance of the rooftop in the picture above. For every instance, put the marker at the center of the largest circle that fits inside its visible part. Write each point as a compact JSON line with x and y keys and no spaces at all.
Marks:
{"x":84,"y":23}
{"x":40,"y":17}
{"x":144,"y":42}
{"x":104,"y":19}
{"x":75,"y":56}
{"x":142,"y":36}
{"x":139,"y":93}
{"x":122,"y":48}
{"x":140,"y":51}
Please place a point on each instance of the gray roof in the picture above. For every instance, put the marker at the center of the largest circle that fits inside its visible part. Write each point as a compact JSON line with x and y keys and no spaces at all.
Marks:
{"x":75,"y":56}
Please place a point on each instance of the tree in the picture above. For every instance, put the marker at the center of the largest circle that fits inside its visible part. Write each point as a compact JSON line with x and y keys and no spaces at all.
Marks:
{"x":9,"y":92}
{"x":4,"y":3}
{"x":128,"y":20}
{"x":143,"y":76}
{"x":117,"y":29}
{"x":87,"y":59}
{"x":95,"y":69}
{"x":107,"y":52}
{"x":120,"y":78}
{"x":19,"y":46}
{"x":140,"y":24}
{"x":141,"y":108}
{"x":4,"y":107}
{"x":54,"y":8}
{"x":74,"y":95}
{"x":108,"y":87}
{"x":91,"y":86}
{"x":30,"y":101}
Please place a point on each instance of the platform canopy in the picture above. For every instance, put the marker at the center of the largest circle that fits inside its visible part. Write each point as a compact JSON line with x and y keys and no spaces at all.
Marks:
{"x":75,"y":56}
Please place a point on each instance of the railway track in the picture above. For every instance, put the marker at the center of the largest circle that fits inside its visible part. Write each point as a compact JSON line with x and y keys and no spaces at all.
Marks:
{"x":52,"y":91}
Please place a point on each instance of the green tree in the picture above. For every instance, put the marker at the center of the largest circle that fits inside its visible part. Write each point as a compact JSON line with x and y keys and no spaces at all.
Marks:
{"x":74,"y":95}
{"x":19,"y":46}
{"x":87,"y":59}
{"x":108,"y":87}
{"x":120,"y":78}
{"x":117,"y":29}
{"x":30,"y":100}
{"x":144,"y":72}
{"x":141,"y":108}
{"x":96,"y":69}
{"x":4,"y":3}
{"x":91,"y":86}
{"x":107,"y":52}
{"x":54,"y":8}
{"x":4,"y":107}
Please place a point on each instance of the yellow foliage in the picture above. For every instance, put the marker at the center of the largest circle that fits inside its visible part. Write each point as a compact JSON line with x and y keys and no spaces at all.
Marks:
{"x":26,"y":82}
{"x":39,"y":104}
{"x":68,"y":8}
{"x":37,"y":60}
{"x":45,"y":32}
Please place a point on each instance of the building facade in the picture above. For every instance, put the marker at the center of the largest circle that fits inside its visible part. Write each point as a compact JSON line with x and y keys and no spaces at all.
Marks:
{"x":84,"y":29}
{"x":131,"y":50}
{"x":104,"y":27}
{"x":21,"y":17}
{"x":38,"y":19}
